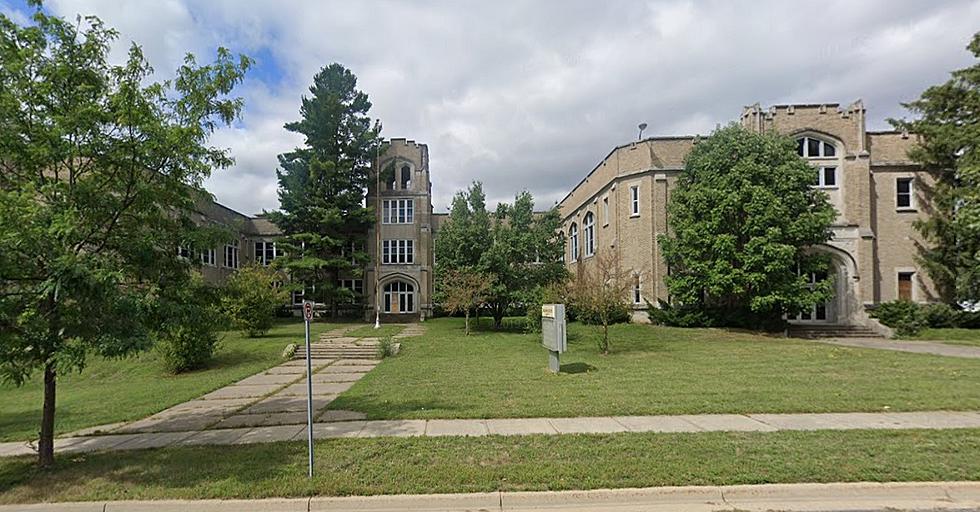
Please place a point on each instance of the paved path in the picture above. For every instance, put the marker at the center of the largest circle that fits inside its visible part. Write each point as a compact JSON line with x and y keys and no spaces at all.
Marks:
{"x":918,"y":347}
{"x":789,"y":497}
{"x":513,"y":426}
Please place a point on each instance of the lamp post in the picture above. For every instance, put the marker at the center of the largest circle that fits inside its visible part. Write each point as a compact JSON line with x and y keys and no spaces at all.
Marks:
{"x":377,"y":238}
{"x":642,"y":126}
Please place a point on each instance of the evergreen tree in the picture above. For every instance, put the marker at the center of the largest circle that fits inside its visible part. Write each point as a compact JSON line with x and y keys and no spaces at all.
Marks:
{"x":322,"y":187}
{"x":742,"y":218}
{"x":948,"y":124}
{"x":99,"y":172}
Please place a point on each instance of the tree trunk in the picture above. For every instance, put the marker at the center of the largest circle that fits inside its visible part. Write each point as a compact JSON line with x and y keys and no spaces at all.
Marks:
{"x":45,"y":451}
{"x":605,"y":338}
{"x":498,"y":317}
{"x":466,"y":322}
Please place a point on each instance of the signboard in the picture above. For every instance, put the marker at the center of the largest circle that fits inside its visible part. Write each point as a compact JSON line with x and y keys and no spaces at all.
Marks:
{"x":548,"y":310}
{"x":308,"y":310}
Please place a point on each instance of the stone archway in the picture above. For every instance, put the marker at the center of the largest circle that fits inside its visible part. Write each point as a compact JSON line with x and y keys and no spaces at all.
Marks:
{"x":843,"y":307}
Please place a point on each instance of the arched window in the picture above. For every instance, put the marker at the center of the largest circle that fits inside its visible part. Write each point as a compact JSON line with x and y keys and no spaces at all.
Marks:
{"x":573,"y":238}
{"x":399,"y":297}
{"x":406,"y":177}
{"x":823,"y":155}
{"x":588,"y":227}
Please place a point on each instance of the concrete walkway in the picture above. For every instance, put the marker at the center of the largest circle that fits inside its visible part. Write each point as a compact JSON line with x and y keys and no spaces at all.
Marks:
{"x":513,"y":426}
{"x":751,"y":498}
{"x":918,"y":347}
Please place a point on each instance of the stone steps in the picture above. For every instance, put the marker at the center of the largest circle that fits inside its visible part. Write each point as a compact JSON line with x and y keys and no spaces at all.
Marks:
{"x":832,"y":331}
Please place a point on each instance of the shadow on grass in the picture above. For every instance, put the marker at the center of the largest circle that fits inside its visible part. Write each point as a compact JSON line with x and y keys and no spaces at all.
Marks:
{"x":385,"y":409}
{"x":577,"y":368}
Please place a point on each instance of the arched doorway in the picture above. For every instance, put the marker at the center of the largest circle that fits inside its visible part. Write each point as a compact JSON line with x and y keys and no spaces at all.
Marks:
{"x":839,"y":309}
{"x":398,"y":298}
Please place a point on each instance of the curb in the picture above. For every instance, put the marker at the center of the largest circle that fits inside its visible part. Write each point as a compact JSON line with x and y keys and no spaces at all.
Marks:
{"x":860,"y":496}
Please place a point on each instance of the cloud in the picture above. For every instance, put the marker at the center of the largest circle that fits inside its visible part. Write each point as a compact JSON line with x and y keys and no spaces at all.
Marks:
{"x":531,"y":94}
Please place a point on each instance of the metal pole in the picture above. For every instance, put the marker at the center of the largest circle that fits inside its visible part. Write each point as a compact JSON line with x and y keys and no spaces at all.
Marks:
{"x":309,"y":398}
{"x":377,"y":239}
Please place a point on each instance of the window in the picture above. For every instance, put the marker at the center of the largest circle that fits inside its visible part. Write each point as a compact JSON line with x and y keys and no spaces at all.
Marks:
{"x":184,"y":252}
{"x":399,"y":297}
{"x":605,"y":211}
{"x":406,"y":181}
{"x":809,"y":147}
{"x":573,"y":236}
{"x":564,"y":246}
{"x":397,"y":211}
{"x":354,"y":285}
{"x":231,"y":255}
{"x":265,"y":252}
{"x":588,"y":226}
{"x":634,"y":200}
{"x":905,"y":285}
{"x":903,"y":193}
{"x":637,"y":297}
{"x":827,"y":177}
{"x":351,"y":250}
{"x":208,"y":257}
{"x":397,"y":251}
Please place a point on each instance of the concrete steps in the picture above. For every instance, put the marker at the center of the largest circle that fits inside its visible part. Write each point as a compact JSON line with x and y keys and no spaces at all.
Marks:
{"x":812,"y":331}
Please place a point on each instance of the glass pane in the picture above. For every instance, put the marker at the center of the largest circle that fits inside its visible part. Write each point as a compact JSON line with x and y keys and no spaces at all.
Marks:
{"x":821,"y":311}
{"x":829,"y":149}
{"x":830,"y":176}
{"x":799,"y":147}
{"x":812,"y":147}
{"x":904,"y":186}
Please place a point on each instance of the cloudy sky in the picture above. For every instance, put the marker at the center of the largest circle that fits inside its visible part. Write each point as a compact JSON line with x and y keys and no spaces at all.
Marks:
{"x":531,"y":94}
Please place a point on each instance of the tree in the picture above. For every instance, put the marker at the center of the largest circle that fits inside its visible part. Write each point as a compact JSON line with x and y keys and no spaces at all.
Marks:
{"x":322,"y":187}
{"x":187,"y":320}
{"x":742,"y":220}
{"x":601,"y":291}
{"x":98,"y":173}
{"x":518,"y":248}
{"x":948,"y":126}
{"x":464,"y":290}
{"x":251,"y":298}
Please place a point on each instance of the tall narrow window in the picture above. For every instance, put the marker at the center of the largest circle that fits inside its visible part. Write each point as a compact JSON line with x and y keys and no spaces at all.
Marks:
{"x":231,"y":255}
{"x":905,"y":285}
{"x":634,"y":200}
{"x":573,"y":238}
{"x":637,"y":297}
{"x":605,"y":211}
{"x":406,"y":181}
{"x":903,"y":193}
{"x":588,"y":226}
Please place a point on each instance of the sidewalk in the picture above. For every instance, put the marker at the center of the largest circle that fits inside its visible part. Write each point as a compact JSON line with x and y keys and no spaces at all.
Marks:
{"x":787,"y":497}
{"x":918,"y":347}
{"x":515,"y":426}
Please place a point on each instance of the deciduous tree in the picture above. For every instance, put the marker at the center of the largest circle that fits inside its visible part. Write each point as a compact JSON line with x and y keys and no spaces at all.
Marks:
{"x":463,"y":290}
{"x":601,"y":290}
{"x":99,"y":169}
{"x":742,"y":220}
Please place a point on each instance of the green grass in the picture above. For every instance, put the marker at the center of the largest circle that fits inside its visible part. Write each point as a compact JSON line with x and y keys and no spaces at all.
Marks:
{"x":652,"y":370}
{"x":457,"y":464}
{"x":368,"y":331}
{"x":969,"y":337}
{"x":109,"y":391}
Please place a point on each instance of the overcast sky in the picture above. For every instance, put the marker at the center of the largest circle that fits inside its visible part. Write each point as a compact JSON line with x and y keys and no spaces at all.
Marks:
{"x":533,"y":94}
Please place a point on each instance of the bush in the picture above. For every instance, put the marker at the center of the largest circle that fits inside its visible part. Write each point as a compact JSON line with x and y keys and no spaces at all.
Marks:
{"x":556,"y":293}
{"x":289,"y":351}
{"x":189,"y":321}
{"x":386,"y":347}
{"x":940,"y":316}
{"x":252,"y":299}
{"x":905,"y":317}
{"x":678,"y":316}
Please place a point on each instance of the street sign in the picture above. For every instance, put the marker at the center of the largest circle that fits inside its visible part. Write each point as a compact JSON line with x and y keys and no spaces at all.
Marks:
{"x":308,"y":316}
{"x":553,"y":335}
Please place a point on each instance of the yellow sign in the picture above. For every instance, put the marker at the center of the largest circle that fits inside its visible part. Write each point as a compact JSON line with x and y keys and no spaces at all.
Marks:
{"x":548,"y":311}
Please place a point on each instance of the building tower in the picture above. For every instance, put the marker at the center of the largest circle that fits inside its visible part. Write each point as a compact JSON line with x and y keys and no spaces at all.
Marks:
{"x":398,"y":282}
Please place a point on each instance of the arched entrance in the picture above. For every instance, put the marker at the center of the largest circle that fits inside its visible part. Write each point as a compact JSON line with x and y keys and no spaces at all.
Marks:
{"x":839,"y":309}
{"x":398,"y":298}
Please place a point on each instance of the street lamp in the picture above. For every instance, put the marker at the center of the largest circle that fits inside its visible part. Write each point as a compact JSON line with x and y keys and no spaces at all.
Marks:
{"x":642,"y":126}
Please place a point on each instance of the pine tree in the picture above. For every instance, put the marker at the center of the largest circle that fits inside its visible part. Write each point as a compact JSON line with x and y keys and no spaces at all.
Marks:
{"x":322,"y":187}
{"x":948,"y":124}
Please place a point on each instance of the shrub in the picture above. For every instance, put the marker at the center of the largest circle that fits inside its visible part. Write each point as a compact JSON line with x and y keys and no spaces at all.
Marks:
{"x":941,"y":315}
{"x":678,"y":316}
{"x":252,"y":299}
{"x":189,"y":321}
{"x":552,"y":294}
{"x":905,"y":317}
{"x":289,"y":351}
{"x":386,"y":347}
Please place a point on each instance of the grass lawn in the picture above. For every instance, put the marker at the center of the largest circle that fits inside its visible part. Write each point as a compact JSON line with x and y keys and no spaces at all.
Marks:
{"x":108,"y":391}
{"x":457,"y":464}
{"x":368,"y":331}
{"x":652,"y":370}
{"x":952,"y":336}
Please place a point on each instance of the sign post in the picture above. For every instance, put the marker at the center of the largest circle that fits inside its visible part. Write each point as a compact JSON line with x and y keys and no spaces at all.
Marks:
{"x":308,"y":316}
{"x":553,"y":335}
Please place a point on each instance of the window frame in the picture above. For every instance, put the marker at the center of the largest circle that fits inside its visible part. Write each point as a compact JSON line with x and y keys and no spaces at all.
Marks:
{"x":573,"y":237}
{"x":822,"y":176}
{"x":911,"y":194}
{"x":588,"y":231}
{"x":232,"y":251}
{"x":400,"y":210}
{"x":398,"y":251}
{"x":634,"y":201}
